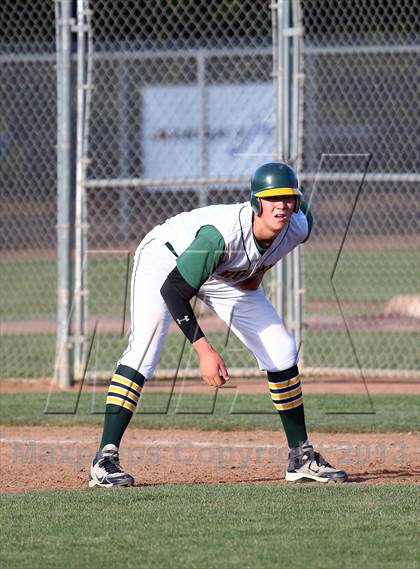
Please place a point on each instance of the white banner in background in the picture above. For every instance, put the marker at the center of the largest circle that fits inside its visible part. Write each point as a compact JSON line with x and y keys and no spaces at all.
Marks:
{"x":239,"y":130}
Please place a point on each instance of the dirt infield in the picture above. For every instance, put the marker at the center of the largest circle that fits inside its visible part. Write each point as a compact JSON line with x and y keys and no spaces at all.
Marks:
{"x":310,"y":385}
{"x":41,"y":458}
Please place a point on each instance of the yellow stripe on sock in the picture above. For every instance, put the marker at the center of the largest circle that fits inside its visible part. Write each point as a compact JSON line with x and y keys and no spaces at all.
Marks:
{"x":277,"y":397}
{"x":130,"y":382}
{"x":282,"y":384}
{"x":129,"y":405}
{"x":291,"y":405}
{"x":118,"y":383}
{"x":123,"y":391}
{"x":120,"y":402}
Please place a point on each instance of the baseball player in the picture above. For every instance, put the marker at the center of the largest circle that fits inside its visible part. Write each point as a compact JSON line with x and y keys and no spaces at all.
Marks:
{"x":218,"y":253}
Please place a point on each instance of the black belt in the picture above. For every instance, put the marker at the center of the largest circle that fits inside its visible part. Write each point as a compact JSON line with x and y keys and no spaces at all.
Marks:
{"x":171,"y":249}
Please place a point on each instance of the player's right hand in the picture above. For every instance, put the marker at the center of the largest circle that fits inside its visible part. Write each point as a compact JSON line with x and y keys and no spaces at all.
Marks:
{"x":212,"y":367}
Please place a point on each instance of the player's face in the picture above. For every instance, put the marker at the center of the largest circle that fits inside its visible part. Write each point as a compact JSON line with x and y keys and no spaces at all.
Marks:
{"x":277,"y":211}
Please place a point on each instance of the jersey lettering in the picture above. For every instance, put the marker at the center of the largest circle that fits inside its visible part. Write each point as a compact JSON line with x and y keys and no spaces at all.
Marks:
{"x":240,"y":275}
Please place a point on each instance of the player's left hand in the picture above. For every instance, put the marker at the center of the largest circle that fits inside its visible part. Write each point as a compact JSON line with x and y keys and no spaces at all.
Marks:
{"x":212,"y":366}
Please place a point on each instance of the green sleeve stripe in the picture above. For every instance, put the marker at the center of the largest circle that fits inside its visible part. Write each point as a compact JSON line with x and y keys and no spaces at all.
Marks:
{"x":202,"y":257}
{"x":304,"y":208}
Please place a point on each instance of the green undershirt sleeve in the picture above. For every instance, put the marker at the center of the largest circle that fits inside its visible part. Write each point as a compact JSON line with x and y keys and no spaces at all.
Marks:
{"x":202,"y":257}
{"x":304,"y":208}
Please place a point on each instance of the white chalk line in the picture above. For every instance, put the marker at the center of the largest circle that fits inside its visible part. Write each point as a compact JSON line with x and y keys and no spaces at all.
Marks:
{"x":158,"y":442}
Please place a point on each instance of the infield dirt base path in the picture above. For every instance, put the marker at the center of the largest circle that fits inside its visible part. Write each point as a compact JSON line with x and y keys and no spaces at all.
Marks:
{"x":249,"y":385}
{"x":43,"y":458}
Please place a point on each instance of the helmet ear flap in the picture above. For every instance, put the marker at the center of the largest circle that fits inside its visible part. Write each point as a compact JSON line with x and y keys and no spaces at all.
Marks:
{"x":256,"y":204}
{"x":299,"y":199}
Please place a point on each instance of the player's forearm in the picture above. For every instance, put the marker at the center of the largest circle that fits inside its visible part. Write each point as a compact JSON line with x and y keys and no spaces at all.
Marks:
{"x":176,"y":293}
{"x":202,"y":346}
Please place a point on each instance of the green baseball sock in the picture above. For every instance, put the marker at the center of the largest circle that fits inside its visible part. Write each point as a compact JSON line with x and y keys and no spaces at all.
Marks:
{"x":123,"y":394}
{"x":286,"y":394}
{"x":294,"y":426}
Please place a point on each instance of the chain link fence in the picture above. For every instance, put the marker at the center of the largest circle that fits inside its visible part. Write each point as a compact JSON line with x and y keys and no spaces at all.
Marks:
{"x":362,"y":264}
{"x":182,"y":111}
{"x":27,"y":188}
{"x":185,"y":99}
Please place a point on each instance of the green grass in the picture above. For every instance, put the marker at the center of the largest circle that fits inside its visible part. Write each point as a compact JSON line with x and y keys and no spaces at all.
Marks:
{"x":27,"y":355}
{"x":374,"y":349}
{"x":362,"y":275}
{"x":324,"y":412}
{"x":33,"y":354}
{"x":213,"y":526}
{"x":29,"y":287}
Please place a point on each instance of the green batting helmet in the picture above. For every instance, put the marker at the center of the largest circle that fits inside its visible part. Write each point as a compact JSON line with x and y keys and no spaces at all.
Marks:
{"x":274,"y":179}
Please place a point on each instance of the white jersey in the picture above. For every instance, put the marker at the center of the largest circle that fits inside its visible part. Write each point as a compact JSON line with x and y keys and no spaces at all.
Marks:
{"x":241,"y":258}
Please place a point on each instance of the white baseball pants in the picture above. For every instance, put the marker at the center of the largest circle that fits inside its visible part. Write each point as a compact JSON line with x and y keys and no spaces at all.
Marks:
{"x":250,"y":314}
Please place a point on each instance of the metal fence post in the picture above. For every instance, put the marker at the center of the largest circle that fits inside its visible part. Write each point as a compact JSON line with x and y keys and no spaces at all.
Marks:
{"x":296,"y":137}
{"x":202,"y":123}
{"x":63,"y":374}
{"x":83,"y":86}
{"x":277,"y":74}
{"x":287,"y":34}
